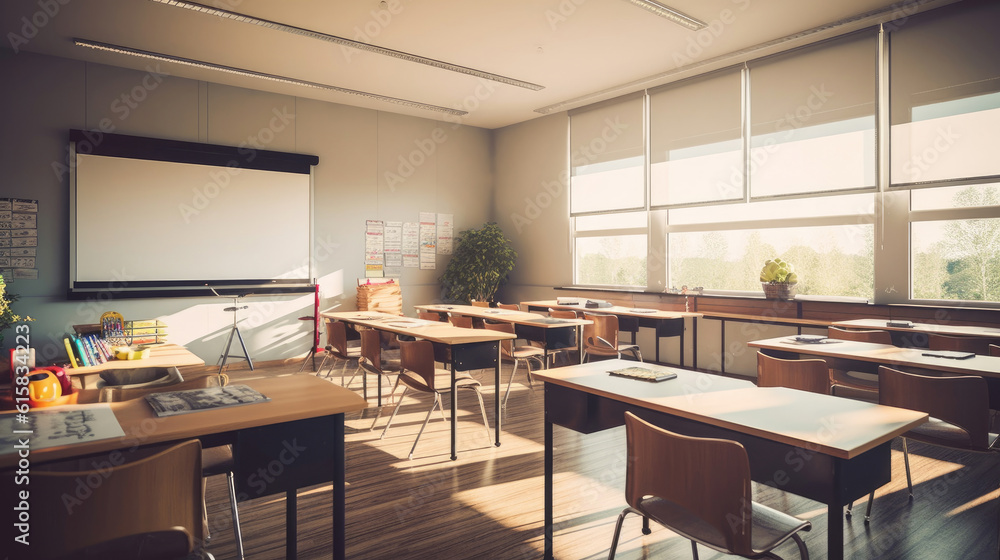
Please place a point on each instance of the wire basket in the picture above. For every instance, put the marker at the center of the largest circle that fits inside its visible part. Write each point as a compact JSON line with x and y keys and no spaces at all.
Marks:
{"x":778,"y":290}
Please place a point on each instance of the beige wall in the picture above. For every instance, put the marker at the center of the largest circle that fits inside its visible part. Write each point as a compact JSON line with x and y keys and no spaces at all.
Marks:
{"x":44,"y":97}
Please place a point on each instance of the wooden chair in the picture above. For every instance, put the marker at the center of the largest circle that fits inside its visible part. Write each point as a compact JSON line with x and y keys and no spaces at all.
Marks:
{"x":994,"y":350}
{"x":420,"y":374}
{"x":371,"y":361}
{"x":430,"y":316}
{"x":958,"y":408}
{"x":562,"y":313}
{"x":601,"y":338}
{"x":463,"y":321}
{"x":338,"y":350}
{"x":841,"y":377}
{"x":509,"y":352}
{"x":804,"y":375}
{"x":509,"y":306}
{"x":700,"y":489}
{"x":215,"y":460}
{"x":974,"y":344}
{"x":148,"y":506}
{"x":480,"y":303}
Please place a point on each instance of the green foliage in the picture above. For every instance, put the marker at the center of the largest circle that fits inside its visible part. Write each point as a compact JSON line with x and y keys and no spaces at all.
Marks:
{"x":7,"y":315}
{"x":778,"y":271}
{"x":480,"y":265}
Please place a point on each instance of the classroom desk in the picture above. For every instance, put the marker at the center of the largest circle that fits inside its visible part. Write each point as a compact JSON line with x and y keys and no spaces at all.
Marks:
{"x":849,"y":353}
{"x":665,"y":323}
{"x":304,"y":412}
{"x":935,"y":328}
{"x":160,"y":355}
{"x":824,"y":448}
{"x":552,"y":333}
{"x":468,"y":349}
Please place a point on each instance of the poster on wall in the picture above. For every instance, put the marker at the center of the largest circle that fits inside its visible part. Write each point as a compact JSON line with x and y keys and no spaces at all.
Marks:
{"x":445,"y":233}
{"x":18,"y":239}
{"x":411,"y":245}
{"x":392,"y":246}
{"x":428,"y":240}
{"x":374,"y":248}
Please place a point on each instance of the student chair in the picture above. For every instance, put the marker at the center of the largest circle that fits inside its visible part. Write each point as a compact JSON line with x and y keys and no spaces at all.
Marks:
{"x":700,"y":489}
{"x":420,"y":374}
{"x":509,"y":352}
{"x":853,"y":386}
{"x":601,"y":338}
{"x":371,"y":362}
{"x":804,"y":375}
{"x":338,"y":350}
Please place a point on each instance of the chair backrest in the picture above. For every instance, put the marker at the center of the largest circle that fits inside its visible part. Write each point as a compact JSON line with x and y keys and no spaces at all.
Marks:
{"x":959,"y":400}
{"x":604,"y":327}
{"x":416,"y":358}
{"x":562,"y":313}
{"x":994,"y":350}
{"x":804,"y":375}
{"x":463,"y":321}
{"x":371,"y":350}
{"x":506,"y":346}
{"x":153,"y":490}
{"x":430,"y":316}
{"x":336,"y":338}
{"x":972,"y":344}
{"x":480,"y":303}
{"x":509,"y":306}
{"x":877,"y":336}
{"x":704,"y":479}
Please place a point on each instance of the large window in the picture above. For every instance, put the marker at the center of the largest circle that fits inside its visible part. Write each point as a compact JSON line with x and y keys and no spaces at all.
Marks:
{"x":866,"y":160}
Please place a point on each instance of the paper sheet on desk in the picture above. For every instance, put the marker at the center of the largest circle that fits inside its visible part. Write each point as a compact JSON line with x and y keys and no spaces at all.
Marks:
{"x":64,"y":425}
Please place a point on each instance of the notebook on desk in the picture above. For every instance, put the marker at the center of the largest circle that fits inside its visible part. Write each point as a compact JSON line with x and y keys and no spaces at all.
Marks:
{"x":183,"y":402}
{"x":643,"y":374}
{"x":951,"y":354}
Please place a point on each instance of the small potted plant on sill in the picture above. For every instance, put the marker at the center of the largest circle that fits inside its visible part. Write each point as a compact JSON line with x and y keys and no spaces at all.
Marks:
{"x":778,"y":279}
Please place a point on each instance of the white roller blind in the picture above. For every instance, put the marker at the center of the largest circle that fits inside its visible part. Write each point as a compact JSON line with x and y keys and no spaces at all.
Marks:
{"x":607,"y":157}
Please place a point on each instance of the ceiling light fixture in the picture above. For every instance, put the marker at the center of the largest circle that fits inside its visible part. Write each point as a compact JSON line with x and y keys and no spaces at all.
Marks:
{"x":260,"y":75}
{"x":673,"y":15}
{"x":344,"y":42}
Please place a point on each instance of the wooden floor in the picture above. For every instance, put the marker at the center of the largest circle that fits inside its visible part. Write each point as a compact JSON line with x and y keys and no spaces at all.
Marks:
{"x":488,"y":503}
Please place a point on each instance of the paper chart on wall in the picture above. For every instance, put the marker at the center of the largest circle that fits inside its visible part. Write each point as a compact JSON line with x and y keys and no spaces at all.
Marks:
{"x":392,"y":245}
{"x":445,"y":233}
{"x":428,"y":240}
{"x":18,"y":238}
{"x":411,"y":245}
{"x":374,"y":249}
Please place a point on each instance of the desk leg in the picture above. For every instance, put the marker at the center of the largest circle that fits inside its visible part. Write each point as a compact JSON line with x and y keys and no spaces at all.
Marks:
{"x":454,"y":409}
{"x":339,"y":490}
{"x":496,"y":399}
{"x":835,"y":531}
{"x":291,"y":524}
{"x":548,"y":490}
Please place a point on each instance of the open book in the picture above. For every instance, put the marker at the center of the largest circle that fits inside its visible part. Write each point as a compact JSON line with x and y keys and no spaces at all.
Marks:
{"x":182,"y":402}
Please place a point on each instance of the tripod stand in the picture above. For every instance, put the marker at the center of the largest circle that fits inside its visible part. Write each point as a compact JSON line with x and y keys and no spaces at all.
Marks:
{"x":235,"y":309}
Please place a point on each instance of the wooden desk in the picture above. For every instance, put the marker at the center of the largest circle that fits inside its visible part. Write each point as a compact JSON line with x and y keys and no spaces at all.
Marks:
{"x":552,"y":333}
{"x":665,"y":323}
{"x":469,"y":349}
{"x":160,"y":355}
{"x":824,"y":448}
{"x":935,"y":328}
{"x":301,"y":430}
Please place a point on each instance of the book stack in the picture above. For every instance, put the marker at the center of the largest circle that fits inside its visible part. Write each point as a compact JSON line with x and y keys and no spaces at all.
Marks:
{"x":385,"y":296}
{"x":85,"y":350}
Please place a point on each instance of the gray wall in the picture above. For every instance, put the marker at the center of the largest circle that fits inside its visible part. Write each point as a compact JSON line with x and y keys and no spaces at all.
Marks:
{"x":43,"y":97}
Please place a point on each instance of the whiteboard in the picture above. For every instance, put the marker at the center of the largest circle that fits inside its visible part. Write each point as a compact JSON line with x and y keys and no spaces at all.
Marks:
{"x":147,"y":221}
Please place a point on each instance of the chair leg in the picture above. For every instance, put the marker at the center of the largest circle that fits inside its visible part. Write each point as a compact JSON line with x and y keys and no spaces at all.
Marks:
{"x":393,"y":415}
{"x":694,"y":550}
{"x":618,"y":530}
{"x":803,"y":551}
{"x":237,"y":533}
{"x":510,"y":380}
{"x":437,"y":401}
{"x":906,"y":463}
{"x":322,"y":364}
{"x":378,"y":413}
{"x":868,"y":511}
{"x":482,"y":408}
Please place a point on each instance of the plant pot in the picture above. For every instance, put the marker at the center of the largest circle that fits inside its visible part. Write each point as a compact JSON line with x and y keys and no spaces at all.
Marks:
{"x":778,"y":290}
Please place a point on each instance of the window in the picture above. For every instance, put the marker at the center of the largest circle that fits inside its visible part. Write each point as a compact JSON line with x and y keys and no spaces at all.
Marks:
{"x":607,"y":157}
{"x":812,"y":118}
{"x":945,"y":122}
{"x":610,"y":250}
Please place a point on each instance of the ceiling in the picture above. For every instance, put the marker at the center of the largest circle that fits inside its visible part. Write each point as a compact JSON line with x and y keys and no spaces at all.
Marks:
{"x":579,"y":51}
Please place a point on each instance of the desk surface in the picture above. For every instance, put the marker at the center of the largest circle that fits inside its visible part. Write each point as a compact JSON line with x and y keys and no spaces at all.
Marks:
{"x":838,"y":427}
{"x":293,"y":397}
{"x":435,"y":331}
{"x":884,"y":354}
{"x":957,"y":330}
{"x":505,"y":315}
{"x":614,"y":309}
{"x":160,"y":355}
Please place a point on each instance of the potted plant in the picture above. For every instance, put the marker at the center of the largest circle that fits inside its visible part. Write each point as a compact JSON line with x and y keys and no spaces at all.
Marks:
{"x":7,"y":315}
{"x":778,"y":279}
{"x":480,"y":264}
